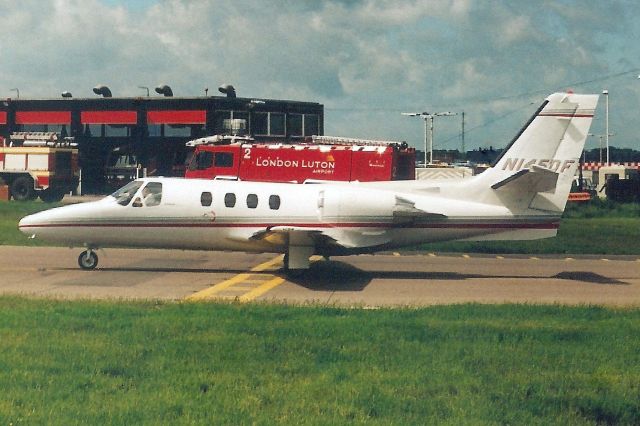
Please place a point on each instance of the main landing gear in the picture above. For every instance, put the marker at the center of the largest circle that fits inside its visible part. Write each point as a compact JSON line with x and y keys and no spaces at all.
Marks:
{"x":88,"y":260}
{"x":296,"y":259}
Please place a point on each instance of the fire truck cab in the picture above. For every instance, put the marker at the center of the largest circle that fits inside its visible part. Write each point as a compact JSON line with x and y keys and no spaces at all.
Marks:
{"x":323,"y":158}
{"x":38,"y":164}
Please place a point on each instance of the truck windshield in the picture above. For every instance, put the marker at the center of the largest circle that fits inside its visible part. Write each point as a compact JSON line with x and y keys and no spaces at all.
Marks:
{"x":201,"y":161}
{"x":123,"y":160}
{"x":124,"y":195}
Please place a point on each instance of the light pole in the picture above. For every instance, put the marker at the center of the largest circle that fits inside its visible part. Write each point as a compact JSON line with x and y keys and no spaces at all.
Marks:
{"x":464,"y":149}
{"x":599,"y":145}
{"x":17,"y":92}
{"x":144,"y":87}
{"x":428,"y":130}
{"x":606,"y":121}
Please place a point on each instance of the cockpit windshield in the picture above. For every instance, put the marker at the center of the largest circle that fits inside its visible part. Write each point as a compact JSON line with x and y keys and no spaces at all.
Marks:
{"x":125,"y":194}
{"x":152,"y":194}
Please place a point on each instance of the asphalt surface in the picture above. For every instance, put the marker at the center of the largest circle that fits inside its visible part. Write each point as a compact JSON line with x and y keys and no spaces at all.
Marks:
{"x":372,"y":281}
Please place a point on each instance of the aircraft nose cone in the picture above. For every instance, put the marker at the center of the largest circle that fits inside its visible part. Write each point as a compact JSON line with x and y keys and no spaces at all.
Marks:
{"x":34,"y":222}
{"x":26,"y":224}
{"x":50,"y":224}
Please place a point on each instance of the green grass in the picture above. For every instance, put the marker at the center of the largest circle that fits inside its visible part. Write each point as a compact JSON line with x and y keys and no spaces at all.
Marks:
{"x":602,"y":208}
{"x":148,"y":363}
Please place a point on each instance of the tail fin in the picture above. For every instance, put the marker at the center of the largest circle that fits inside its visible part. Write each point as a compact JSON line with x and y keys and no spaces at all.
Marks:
{"x":536,"y":170}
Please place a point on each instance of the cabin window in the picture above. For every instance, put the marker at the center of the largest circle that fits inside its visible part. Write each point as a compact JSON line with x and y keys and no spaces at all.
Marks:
{"x":125,"y":194}
{"x":268,"y":123}
{"x":252,"y":201}
{"x":117,"y":131}
{"x":276,"y":124}
{"x":223,"y":159}
{"x":260,"y":123}
{"x":154,"y":130}
{"x":222,"y":123}
{"x":311,"y":124}
{"x":60,"y":129}
{"x":294,"y":124}
{"x":206,"y":199}
{"x":230,"y":199}
{"x":33,"y":128}
{"x":220,"y":116}
{"x":177,"y":130}
{"x":152,"y":194}
{"x":303,"y":124}
{"x":274,"y":202}
{"x":93,"y":130}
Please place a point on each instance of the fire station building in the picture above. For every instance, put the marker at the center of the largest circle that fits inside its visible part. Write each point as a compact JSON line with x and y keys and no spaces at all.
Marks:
{"x":154,"y":129}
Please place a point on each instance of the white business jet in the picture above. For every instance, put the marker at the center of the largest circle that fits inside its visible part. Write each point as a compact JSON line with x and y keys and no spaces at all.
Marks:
{"x":520,"y":198}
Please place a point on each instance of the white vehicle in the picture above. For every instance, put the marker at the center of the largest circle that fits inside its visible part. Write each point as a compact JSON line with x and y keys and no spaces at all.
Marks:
{"x":39,"y":164}
{"x":521,"y":198}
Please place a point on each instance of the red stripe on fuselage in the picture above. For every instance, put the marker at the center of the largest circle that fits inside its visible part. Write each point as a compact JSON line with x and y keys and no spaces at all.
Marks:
{"x":545,"y":225}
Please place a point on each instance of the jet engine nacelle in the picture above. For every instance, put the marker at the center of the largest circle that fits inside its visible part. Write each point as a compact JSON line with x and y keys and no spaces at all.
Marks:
{"x":358,"y":205}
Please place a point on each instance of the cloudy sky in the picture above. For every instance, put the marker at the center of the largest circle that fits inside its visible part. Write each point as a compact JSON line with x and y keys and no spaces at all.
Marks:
{"x":365,"y":60}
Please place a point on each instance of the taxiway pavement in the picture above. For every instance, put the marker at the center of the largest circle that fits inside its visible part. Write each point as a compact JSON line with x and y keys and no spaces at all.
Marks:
{"x":380,"y":280}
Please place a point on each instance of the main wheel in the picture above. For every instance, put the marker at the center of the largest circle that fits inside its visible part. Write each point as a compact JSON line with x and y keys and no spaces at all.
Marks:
{"x":22,"y":189}
{"x":88,"y":260}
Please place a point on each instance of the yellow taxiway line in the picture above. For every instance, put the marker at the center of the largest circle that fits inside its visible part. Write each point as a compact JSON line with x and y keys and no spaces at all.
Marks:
{"x":245,"y":278}
{"x":259,"y":291}
{"x":243,"y":283}
{"x":273,"y":263}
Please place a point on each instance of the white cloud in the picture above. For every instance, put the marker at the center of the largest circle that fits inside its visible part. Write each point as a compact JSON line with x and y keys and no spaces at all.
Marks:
{"x":368,"y":55}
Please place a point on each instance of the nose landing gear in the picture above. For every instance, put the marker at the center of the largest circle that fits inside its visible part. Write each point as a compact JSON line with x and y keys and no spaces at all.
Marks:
{"x":88,"y":260}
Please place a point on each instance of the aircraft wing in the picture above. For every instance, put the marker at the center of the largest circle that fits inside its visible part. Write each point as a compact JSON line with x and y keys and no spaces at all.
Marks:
{"x":405,"y":211}
{"x":280,"y":235}
{"x":335,"y":238}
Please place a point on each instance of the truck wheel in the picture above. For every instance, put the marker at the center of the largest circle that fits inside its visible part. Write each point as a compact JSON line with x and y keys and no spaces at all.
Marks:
{"x":51,"y":195}
{"x":22,"y":189}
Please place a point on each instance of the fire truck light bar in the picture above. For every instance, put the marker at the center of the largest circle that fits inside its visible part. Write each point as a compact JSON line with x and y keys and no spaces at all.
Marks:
{"x":219,"y":140}
{"x":34,"y":139}
{"x":335,"y":140}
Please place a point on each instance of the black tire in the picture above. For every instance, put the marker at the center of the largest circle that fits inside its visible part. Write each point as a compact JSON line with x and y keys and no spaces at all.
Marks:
{"x":88,"y":260}
{"x":51,"y":195}
{"x":22,"y":189}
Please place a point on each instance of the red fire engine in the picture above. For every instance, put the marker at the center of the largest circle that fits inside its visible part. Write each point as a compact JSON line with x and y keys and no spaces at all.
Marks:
{"x":38,"y":164}
{"x":322,"y":158}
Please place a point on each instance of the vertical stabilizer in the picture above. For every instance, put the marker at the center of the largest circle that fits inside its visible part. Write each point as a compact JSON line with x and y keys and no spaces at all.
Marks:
{"x":536,"y":170}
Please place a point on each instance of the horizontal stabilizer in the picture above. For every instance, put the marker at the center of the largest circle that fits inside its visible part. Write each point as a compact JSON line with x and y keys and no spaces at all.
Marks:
{"x":535,"y":179}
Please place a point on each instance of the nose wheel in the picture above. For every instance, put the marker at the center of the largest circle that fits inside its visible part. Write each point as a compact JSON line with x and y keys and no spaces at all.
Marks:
{"x":88,"y":260}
